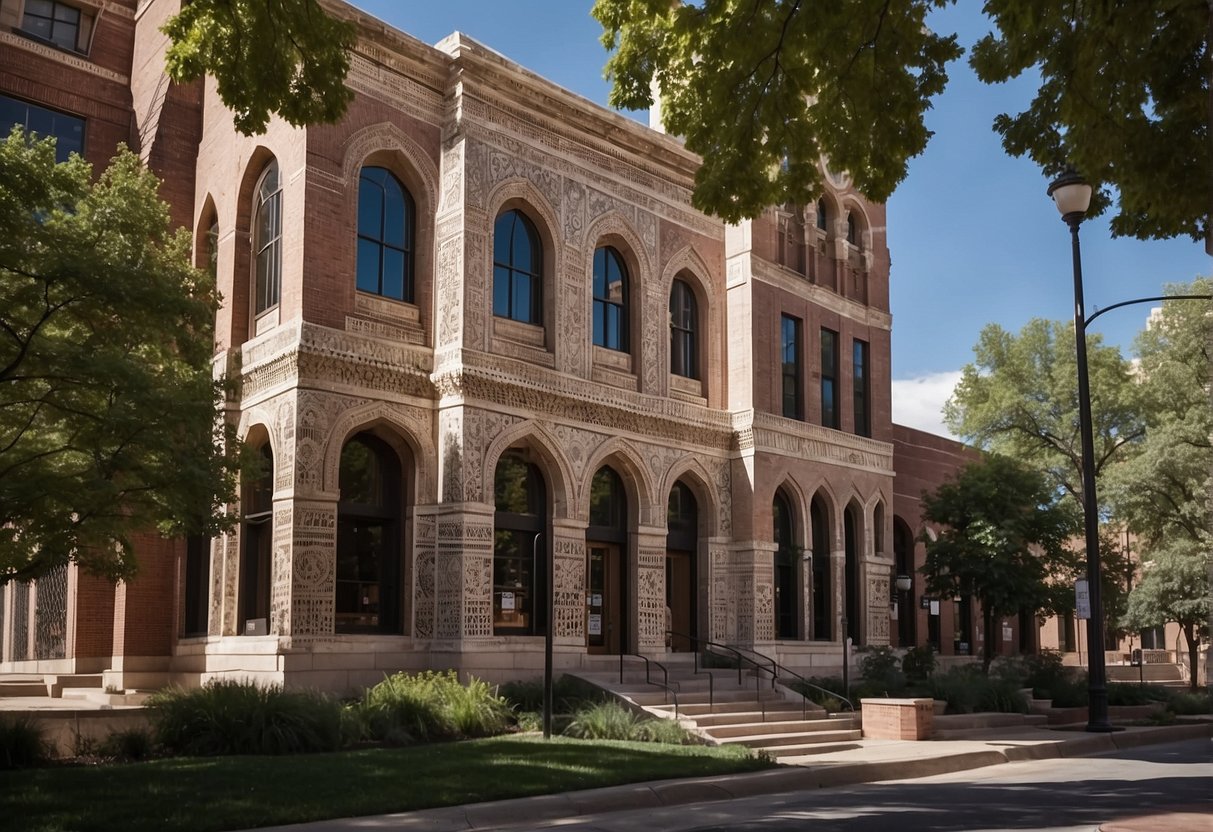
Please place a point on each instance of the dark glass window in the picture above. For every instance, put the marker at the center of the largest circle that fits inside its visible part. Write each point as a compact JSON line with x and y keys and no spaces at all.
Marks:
{"x":385,"y":235}
{"x":821,"y":214}
{"x":684,"y":360}
{"x":257,"y":532}
{"x":829,"y":378}
{"x":682,"y":519}
{"x":860,"y":384}
{"x":790,"y":350}
{"x":517,"y":269}
{"x":368,"y":538}
{"x":610,"y":300}
{"x":822,"y":589}
{"x":59,"y":23}
{"x":197,"y":584}
{"x":852,"y":230}
{"x":212,"y":249}
{"x":608,"y":503}
{"x":68,"y":131}
{"x":519,"y":583}
{"x":267,"y":240}
{"x":785,"y":569}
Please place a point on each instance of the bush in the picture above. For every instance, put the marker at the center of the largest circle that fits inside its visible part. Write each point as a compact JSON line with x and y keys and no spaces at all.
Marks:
{"x":237,"y":717}
{"x":918,"y":663}
{"x":568,"y":694}
{"x":880,"y":669}
{"x":21,"y":742}
{"x":1045,"y":674}
{"x":1186,"y":703}
{"x":131,"y":745}
{"x":1067,"y":693}
{"x":612,"y":721}
{"x":967,"y":690}
{"x":1127,"y":693}
{"x":406,"y":708}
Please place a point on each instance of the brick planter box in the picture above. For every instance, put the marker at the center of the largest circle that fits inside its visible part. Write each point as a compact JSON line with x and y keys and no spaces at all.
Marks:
{"x":898,"y":719}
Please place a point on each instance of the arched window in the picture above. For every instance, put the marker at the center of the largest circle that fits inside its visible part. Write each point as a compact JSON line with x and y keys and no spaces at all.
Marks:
{"x":267,"y":240}
{"x":519,"y":582}
{"x":786,"y":596}
{"x":822,"y":218}
{"x":681,"y":582}
{"x":257,"y":533}
{"x":903,"y":559}
{"x":610,"y":299}
{"x":517,"y":269}
{"x":368,"y":538}
{"x":684,"y":321}
{"x":852,"y":230}
{"x":606,"y":548}
{"x":386,"y":218}
{"x":823,"y":621}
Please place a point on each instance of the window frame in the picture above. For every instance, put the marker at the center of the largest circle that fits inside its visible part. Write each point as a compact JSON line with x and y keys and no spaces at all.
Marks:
{"x":82,"y":28}
{"x":791,"y":372}
{"x":267,"y":251}
{"x":684,"y":337}
{"x":831,"y":417}
{"x":62,"y":152}
{"x":604,"y":256}
{"x":861,"y":387}
{"x":406,"y":250}
{"x":519,"y":528}
{"x":512,"y":271}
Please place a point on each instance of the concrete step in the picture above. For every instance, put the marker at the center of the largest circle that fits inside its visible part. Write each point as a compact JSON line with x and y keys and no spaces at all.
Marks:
{"x":653,"y":695}
{"x":788,"y":745}
{"x":787,"y":727}
{"x":23,"y":688}
{"x":102,"y":697}
{"x":808,"y":753}
{"x":1150,"y":673}
{"x":772,"y":707}
{"x":772,"y":714}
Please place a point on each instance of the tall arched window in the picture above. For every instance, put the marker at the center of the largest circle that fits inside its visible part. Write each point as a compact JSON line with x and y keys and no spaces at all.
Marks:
{"x":684,"y":321}
{"x":519,"y":580}
{"x":610,"y":299}
{"x":606,"y":558}
{"x":822,"y":218}
{"x":786,"y":595}
{"x":386,"y":217}
{"x":852,"y":230}
{"x":267,"y":240}
{"x":681,"y":582}
{"x":823,"y":621}
{"x":517,"y":269}
{"x":257,"y":533}
{"x":368,"y":596}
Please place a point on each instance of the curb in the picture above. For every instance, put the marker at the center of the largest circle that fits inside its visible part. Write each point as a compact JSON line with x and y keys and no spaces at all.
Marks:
{"x":660,"y":793}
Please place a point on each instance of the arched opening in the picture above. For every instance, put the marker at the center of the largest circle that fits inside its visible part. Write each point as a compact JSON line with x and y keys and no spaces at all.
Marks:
{"x":257,"y":532}
{"x":682,"y":543}
{"x":369,"y":596}
{"x":851,"y":523}
{"x":903,"y":559}
{"x":787,"y":596}
{"x":823,"y":621}
{"x":267,"y":241}
{"x":520,"y":580}
{"x":606,"y":551}
{"x":386,"y":229}
{"x":611,"y":304}
{"x":684,"y":330}
{"x":517,"y":268}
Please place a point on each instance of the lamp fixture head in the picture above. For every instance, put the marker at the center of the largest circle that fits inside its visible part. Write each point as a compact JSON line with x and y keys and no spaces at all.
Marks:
{"x":904,"y":582}
{"x":1072,"y":196}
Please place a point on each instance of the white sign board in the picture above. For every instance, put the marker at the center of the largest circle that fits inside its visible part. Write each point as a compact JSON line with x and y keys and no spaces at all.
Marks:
{"x":595,"y":624}
{"x":934,"y":607}
{"x":1082,"y":599}
{"x":507,"y":600}
{"x":1006,"y":633}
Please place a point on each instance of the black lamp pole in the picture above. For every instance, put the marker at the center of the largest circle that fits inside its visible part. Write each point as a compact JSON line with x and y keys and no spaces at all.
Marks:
{"x":1072,"y":195}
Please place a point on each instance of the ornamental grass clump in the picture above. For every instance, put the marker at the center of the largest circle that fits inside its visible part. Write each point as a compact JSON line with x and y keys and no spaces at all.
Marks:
{"x":612,"y":721}
{"x":21,"y":742}
{"x":240,"y":717}
{"x":410,"y":708}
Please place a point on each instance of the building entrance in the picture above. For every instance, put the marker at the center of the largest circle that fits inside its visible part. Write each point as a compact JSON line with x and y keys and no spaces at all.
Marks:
{"x":604,"y":619}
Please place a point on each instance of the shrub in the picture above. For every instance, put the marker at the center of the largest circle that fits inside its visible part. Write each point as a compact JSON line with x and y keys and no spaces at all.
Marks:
{"x":131,"y":745}
{"x":238,"y":717}
{"x":967,"y":690}
{"x":1122,"y":693}
{"x":604,"y":721}
{"x":1186,"y":703}
{"x":1045,"y":673}
{"x":406,"y":708}
{"x":1067,"y":693}
{"x":666,"y":731}
{"x":879,"y":668}
{"x":568,"y":694}
{"x":918,"y":663}
{"x":21,"y":742}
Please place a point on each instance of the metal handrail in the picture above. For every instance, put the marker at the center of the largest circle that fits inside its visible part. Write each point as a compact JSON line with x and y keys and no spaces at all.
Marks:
{"x":762,"y":705}
{"x":803,"y":680}
{"x":648,"y":678}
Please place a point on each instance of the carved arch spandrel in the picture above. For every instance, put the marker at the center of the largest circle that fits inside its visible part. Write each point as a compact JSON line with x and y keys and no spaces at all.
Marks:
{"x":412,"y":425}
{"x":637,"y":478}
{"x":702,"y":483}
{"x":556,"y":467}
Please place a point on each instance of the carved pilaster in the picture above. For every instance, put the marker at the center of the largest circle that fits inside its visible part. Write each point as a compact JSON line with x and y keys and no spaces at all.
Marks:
{"x":464,"y":573}
{"x":650,"y":590}
{"x":313,"y":569}
{"x":569,"y":564}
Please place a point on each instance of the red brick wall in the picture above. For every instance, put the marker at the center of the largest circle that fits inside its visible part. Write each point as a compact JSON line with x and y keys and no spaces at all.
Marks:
{"x":94,"y":600}
{"x":146,"y":607}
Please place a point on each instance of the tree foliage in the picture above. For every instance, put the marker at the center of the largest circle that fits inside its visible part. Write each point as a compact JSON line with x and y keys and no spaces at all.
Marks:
{"x":1175,"y":587}
{"x":1019,"y":397}
{"x":1123,"y":98}
{"x":764,"y":90}
{"x":267,"y":56}
{"x":1002,"y":541}
{"x":107,"y":400}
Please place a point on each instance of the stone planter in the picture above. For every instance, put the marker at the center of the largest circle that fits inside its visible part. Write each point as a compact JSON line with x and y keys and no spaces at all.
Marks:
{"x":941,"y":706}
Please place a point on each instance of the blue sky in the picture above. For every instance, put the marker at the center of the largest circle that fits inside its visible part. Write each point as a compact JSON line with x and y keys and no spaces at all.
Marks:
{"x":973,"y":237}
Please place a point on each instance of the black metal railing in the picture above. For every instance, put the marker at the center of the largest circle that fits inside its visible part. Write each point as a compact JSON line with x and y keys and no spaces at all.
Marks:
{"x":777,"y":668}
{"x":648,"y":678}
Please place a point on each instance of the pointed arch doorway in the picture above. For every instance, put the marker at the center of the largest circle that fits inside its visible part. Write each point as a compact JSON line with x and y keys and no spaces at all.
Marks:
{"x":681,"y":580}
{"x":606,"y":540}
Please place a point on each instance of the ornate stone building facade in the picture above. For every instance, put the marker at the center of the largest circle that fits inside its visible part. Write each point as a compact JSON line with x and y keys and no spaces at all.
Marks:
{"x":490,"y":354}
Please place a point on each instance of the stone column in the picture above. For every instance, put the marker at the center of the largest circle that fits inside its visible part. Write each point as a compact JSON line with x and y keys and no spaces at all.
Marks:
{"x":650,"y":589}
{"x":568,"y":581}
{"x":719,"y":569}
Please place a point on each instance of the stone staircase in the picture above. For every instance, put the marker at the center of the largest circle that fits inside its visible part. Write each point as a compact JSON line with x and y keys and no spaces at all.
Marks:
{"x":1163,"y":674}
{"x":724,"y":711}
{"x":87,"y":689}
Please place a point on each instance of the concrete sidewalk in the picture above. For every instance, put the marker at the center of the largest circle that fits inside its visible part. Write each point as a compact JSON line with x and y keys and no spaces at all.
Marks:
{"x":872,"y":761}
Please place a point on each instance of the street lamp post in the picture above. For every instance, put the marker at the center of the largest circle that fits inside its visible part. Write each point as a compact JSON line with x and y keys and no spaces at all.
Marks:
{"x":904,"y":582}
{"x":1072,"y":195}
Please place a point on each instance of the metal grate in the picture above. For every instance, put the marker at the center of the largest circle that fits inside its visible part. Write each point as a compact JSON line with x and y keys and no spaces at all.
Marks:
{"x":50,"y":615}
{"x":20,"y":621}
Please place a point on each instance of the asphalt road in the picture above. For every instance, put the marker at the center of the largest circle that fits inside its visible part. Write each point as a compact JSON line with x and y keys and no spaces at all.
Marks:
{"x":1061,"y":795}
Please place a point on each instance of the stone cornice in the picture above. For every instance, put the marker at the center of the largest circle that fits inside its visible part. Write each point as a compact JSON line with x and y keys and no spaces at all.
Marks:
{"x":16,"y":41}
{"x":765,"y":433}
{"x":797,"y":284}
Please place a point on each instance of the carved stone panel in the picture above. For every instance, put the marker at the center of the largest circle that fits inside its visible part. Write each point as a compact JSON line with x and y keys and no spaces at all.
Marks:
{"x":569,"y":557}
{"x":314,"y":561}
{"x":425,"y":592}
{"x":280,"y":569}
{"x":650,"y":598}
{"x":718,"y":595}
{"x":878,"y":610}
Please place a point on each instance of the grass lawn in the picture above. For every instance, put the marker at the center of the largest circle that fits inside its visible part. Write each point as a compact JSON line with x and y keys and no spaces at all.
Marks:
{"x":226,"y":793}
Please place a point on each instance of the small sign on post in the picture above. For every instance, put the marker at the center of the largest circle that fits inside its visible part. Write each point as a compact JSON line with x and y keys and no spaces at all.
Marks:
{"x":1082,"y":599}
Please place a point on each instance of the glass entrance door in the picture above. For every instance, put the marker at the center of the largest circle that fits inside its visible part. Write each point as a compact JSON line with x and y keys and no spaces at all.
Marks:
{"x":603,"y":624}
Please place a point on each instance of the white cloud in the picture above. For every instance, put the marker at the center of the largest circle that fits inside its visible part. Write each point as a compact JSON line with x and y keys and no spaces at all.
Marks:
{"x":918,"y":402}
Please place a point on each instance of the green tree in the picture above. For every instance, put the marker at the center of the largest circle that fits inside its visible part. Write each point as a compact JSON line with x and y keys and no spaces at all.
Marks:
{"x":1002,"y":541}
{"x":1175,"y":587}
{"x":108,"y":405}
{"x":267,"y":56}
{"x":763,"y":90}
{"x":1123,"y":95}
{"x":1162,"y":492}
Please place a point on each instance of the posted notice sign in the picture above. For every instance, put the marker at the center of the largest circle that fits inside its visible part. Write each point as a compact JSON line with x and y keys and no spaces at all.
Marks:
{"x":1082,"y":599}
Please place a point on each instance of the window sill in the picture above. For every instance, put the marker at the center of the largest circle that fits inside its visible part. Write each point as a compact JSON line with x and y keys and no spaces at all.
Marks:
{"x":58,"y":47}
{"x":686,"y":386}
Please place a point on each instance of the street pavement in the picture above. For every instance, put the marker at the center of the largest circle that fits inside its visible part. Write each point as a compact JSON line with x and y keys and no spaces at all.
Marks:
{"x":691,"y":804}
